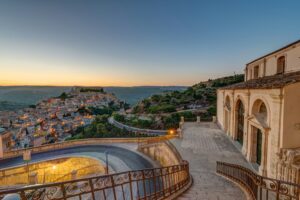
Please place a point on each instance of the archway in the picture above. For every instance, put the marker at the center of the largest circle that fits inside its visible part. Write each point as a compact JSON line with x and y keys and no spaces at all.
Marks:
{"x":260,"y":112}
{"x":240,"y":112}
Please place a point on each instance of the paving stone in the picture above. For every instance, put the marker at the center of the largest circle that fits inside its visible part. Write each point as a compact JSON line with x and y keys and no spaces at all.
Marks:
{"x":202,"y":145}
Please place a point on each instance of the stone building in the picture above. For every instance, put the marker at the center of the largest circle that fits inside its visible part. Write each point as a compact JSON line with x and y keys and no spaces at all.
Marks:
{"x":262,"y":114}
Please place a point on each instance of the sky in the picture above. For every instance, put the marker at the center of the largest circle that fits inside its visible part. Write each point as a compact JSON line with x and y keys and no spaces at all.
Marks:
{"x":138,"y":42}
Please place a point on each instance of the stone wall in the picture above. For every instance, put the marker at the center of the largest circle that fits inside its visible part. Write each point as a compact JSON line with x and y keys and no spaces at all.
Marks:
{"x":56,"y":170}
{"x":162,"y":152}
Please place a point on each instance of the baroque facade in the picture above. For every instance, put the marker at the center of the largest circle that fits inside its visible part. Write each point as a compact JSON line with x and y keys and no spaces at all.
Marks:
{"x":262,"y":114}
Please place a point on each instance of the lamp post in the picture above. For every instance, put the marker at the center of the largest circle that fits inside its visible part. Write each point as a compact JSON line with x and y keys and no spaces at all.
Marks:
{"x":106,"y":162}
{"x":26,"y":159}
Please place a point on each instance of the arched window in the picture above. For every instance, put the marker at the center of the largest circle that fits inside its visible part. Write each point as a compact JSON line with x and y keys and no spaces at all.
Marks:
{"x":263,"y":112}
{"x":259,"y":109}
{"x":263,"y":109}
{"x":280,"y":65}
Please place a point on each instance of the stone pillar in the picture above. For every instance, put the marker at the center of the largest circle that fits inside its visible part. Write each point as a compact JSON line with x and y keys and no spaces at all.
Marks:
{"x":263,"y":167}
{"x":33,"y":178}
{"x":245,"y":132}
{"x":179,"y":133}
{"x":73,"y":174}
{"x":182,"y":119}
{"x":214,"y":119}
{"x":198,"y":119}
{"x":180,"y":125}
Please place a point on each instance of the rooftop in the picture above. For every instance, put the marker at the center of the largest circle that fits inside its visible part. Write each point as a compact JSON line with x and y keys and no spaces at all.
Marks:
{"x":268,"y":82}
{"x":282,"y":48}
{"x":2,"y":130}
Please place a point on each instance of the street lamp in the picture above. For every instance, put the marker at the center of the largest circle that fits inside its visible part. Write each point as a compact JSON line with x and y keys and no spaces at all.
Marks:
{"x":171,"y":132}
{"x":106,"y":162}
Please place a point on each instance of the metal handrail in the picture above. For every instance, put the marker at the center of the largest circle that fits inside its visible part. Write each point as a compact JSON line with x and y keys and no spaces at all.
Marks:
{"x":154,"y":183}
{"x":259,"y":187}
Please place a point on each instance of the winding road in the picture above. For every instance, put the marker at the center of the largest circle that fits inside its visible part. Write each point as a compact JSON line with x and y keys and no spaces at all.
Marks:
{"x":117,"y":124}
{"x":120,"y":158}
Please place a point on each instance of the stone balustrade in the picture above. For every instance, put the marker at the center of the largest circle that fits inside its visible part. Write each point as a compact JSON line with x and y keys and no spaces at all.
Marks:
{"x":288,"y":166}
{"x":82,"y":142}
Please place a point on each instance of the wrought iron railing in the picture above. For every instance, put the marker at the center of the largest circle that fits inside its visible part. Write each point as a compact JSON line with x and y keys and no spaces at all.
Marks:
{"x":155,"y":183}
{"x":259,"y":187}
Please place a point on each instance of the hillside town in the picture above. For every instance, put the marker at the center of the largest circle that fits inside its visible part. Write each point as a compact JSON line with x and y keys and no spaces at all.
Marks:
{"x":52,"y":120}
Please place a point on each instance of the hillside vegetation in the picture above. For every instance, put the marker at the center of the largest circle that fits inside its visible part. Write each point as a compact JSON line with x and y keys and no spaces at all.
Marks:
{"x":199,"y":99}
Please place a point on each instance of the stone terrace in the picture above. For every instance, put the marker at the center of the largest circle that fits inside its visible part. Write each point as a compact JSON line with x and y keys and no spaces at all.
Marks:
{"x":202,"y":145}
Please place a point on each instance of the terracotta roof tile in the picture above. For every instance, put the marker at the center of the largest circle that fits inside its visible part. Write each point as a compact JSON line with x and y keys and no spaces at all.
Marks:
{"x":268,"y":82}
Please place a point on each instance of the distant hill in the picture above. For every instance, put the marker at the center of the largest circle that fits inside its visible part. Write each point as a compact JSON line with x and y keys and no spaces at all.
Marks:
{"x":17,"y":97}
{"x":201,"y":95}
{"x":133,"y":95}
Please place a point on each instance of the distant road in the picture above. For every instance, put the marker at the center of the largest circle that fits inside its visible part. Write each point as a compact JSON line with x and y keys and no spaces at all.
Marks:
{"x":112,"y":121}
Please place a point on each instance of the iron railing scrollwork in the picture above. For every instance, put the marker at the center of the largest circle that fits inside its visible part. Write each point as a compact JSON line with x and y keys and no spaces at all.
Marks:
{"x":259,"y":187}
{"x":154,"y":183}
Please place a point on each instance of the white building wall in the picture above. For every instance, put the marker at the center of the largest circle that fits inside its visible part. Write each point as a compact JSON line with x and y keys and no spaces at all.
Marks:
{"x":292,"y":55}
{"x":290,"y":137}
{"x":272,"y":131}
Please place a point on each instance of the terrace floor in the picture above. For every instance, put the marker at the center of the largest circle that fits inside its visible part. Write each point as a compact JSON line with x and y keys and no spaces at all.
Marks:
{"x":202,"y":145}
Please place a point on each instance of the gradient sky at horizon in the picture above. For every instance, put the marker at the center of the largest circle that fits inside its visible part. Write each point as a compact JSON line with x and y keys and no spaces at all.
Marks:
{"x":129,"y":43}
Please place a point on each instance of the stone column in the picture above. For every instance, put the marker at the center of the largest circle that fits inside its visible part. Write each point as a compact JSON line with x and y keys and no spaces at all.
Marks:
{"x":179,"y":132}
{"x":198,"y":119}
{"x":33,"y":178}
{"x":250,"y":150}
{"x":263,"y":167}
{"x":182,"y":119}
{"x":214,"y":119}
{"x":73,"y":174}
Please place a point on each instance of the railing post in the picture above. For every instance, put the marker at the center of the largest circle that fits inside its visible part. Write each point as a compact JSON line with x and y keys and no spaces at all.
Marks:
{"x":63,"y":190}
{"x":92,"y":188}
{"x":163,"y":182}
{"x":154,"y":179}
{"x":144,"y":185}
{"x":113,"y":186}
{"x":130,"y":186}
